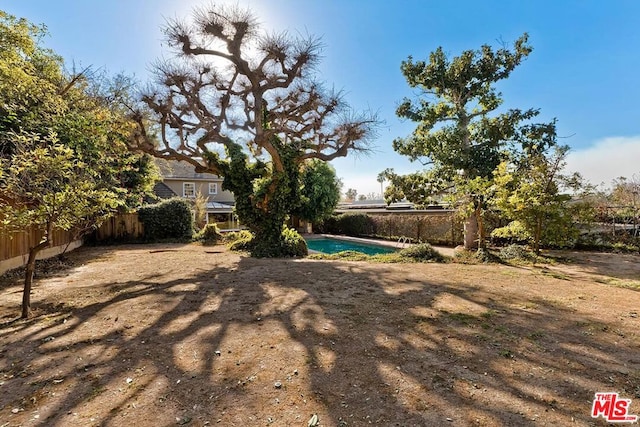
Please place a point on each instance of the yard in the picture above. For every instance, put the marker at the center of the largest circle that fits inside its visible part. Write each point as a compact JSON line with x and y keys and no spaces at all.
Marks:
{"x":160,"y":335}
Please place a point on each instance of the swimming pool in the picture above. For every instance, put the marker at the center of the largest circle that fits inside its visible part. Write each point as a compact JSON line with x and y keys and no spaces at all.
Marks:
{"x":332,"y":246}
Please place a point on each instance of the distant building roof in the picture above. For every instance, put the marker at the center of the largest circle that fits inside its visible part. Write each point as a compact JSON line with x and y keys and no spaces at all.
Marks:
{"x":374,"y":204}
{"x":173,"y":169}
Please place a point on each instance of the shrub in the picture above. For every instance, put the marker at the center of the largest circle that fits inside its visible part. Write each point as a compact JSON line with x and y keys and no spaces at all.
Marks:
{"x":356,"y":225}
{"x":514,"y":232}
{"x":170,"y":219}
{"x":239,"y":240}
{"x":328,"y":225}
{"x":480,"y":256}
{"x":294,"y":243}
{"x":350,"y":224}
{"x":515,"y":253}
{"x":422,"y":252}
{"x":209,"y":235}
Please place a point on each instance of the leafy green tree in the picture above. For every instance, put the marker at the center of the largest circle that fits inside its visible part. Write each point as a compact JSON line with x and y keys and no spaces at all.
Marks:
{"x":534,"y":193}
{"x":320,"y":192}
{"x":64,"y":161}
{"x":51,"y":188}
{"x":455,"y":135}
{"x":27,"y":100}
{"x":351,"y":194}
{"x":242,"y":103}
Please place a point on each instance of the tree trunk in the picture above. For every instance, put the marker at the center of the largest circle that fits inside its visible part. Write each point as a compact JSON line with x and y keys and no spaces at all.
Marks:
{"x":482,"y":244}
{"x":268,"y":241}
{"x":471,"y":232}
{"x":537,"y":236}
{"x":28,"y":276}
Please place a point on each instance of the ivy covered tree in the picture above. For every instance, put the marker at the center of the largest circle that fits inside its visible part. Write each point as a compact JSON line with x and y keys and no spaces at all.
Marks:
{"x":64,"y":161}
{"x":243,"y":104}
{"x":456,"y":134}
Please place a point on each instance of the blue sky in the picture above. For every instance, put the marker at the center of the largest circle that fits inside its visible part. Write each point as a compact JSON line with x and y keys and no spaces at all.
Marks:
{"x":583,"y":70}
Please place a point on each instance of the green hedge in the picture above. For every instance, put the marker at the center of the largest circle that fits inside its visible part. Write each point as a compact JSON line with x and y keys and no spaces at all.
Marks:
{"x":170,"y":219}
{"x":356,"y":224}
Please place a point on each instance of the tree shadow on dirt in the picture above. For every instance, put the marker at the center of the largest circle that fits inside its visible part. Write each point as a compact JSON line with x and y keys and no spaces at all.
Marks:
{"x":259,"y":342}
{"x":611,"y":265}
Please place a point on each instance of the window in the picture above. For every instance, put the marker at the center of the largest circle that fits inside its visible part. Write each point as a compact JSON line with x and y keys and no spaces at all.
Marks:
{"x":188,"y":189}
{"x":213,"y":188}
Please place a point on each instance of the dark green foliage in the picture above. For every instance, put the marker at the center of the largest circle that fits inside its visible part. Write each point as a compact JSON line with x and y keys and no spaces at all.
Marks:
{"x":442,"y":229}
{"x":293,"y":244}
{"x":421,"y":252}
{"x":263,"y":202}
{"x":356,"y":225}
{"x":328,"y":226}
{"x":515,"y":253}
{"x":170,"y":219}
{"x":320,"y":191}
{"x":209,"y":235}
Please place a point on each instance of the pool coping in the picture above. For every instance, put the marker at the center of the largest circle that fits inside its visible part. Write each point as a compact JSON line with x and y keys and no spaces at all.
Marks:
{"x":374,"y":242}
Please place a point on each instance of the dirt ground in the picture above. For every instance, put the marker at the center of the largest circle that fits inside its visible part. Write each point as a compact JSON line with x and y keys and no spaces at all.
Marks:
{"x":165,"y":335}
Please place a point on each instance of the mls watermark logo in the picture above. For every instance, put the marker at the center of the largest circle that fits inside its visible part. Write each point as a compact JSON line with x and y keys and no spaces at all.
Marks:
{"x":612,"y":408}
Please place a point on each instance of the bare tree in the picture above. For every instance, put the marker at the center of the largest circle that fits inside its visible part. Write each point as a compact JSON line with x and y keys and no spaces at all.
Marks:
{"x":242,"y":103}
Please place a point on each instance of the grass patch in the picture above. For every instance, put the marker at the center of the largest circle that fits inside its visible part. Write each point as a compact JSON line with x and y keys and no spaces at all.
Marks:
{"x":536,"y":335}
{"x":488,"y":314}
{"x":554,"y":274}
{"x":417,"y":253}
{"x":464,"y":318}
{"x":620,"y":283}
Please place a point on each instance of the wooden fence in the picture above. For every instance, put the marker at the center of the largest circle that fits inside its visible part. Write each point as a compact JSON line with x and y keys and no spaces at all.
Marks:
{"x":120,"y":227}
{"x":14,"y":244}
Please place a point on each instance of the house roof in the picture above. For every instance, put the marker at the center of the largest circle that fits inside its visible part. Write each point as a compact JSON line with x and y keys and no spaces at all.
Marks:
{"x":163,"y":191}
{"x":173,"y":169}
{"x":219,"y":207}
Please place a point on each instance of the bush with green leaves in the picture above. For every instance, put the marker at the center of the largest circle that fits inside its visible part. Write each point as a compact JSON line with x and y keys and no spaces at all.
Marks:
{"x":421,"y":252}
{"x":239,"y":240}
{"x":515,"y":253}
{"x":170,"y":219}
{"x":209,"y":235}
{"x":294,"y":243}
{"x":513,"y":233}
{"x":351,"y":224}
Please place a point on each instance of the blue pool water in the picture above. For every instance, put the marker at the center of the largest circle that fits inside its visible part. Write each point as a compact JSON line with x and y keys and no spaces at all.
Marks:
{"x":332,"y":246}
